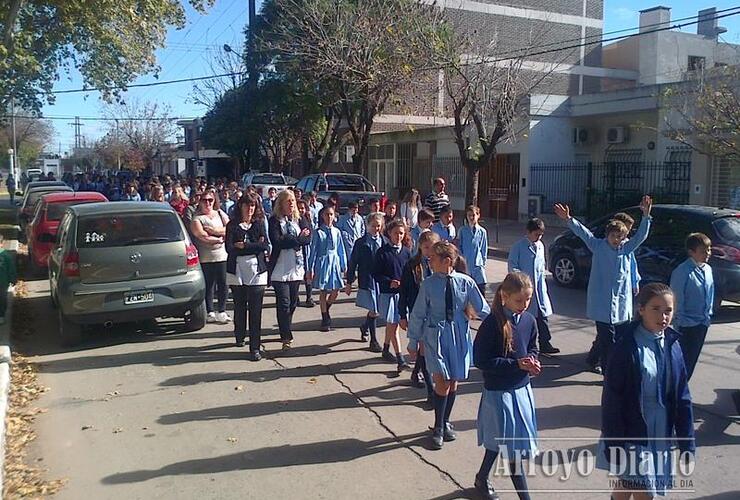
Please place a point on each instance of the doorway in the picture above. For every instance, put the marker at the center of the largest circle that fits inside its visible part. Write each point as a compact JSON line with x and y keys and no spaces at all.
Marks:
{"x":498,"y":187}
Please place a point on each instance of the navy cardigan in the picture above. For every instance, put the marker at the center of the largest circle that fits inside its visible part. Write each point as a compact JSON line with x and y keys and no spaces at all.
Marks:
{"x":255,"y":243}
{"x":621,"y":413}
{"x":361,"y":263}
{"x":389,"y":266}
{"x":409,"y":290}
{"x":501,"y":371}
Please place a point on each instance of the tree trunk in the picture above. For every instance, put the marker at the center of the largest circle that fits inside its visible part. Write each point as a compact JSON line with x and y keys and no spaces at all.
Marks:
{"x":472,"y":176}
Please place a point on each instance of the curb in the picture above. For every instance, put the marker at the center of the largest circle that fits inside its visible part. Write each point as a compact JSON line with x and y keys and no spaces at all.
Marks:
{"x":5,"y":360}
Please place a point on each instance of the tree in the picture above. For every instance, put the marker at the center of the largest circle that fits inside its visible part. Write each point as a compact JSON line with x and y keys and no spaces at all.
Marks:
{"x":227,"y":125}
{"x":32,"y":136}
{"x":360,"y":54}
{"x":208,"y":92}
{"x":110,"y":43}
{"x":704,"y":114}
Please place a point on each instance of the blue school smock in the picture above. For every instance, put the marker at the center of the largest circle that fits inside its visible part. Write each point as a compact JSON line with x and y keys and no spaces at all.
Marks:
{"x":645,"y":397}
{"x":361,"y":263}
{"x":474,"y":248}
{"x":609,"y":296}
{"x":315,"y":209}
{"x":327,"y":260}
{"x":448,"y":346}
{"x":693,"y":289}
{"x":447,"y":233}
{"x":415,"y":235}
{"x":529,"y":258}
{"x":352,"y":228}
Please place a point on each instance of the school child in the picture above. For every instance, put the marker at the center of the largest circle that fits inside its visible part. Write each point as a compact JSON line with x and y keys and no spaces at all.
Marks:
{"x":327,"y":262}
{"x":362,"y":263}
{"x":391,"y":212}
{"x":505,"y":350}
{"x":414,"y":272}
{"x":692,"y":283}
{"x":440,"y":321}
{"x":646,"y":401}
{"x":304,"y":222}
{"x":387,"y":271}
{"x":474,"y":247}
{"x":8,"y":277}
{"x":424,"y":224}
{"x":609,"y":295}
{"x":528,"y":256}
{"x":444,"y":227}
{"x":352,"y":226}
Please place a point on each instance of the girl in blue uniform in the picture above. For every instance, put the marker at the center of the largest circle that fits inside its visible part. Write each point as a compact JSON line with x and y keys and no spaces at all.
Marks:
{"x":304,"y":222}
{"x":362,"y":262}
{"x":474,"y":247}
{"x":388,"y":268}
{"x":505,"y":350}
{"x":440,"y":321}
{"x":416,"y":271}
{"x":646,"y":402}
{"x":327,"y":262}
{"x":445,"y":227}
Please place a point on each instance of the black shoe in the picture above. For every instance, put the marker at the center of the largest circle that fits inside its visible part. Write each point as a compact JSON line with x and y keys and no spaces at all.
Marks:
{"x":428,"y":404}
{"x":364,"y":334}
{"x":240,"y":343}
{"x":325,"y":322}
{"x":485,"y":489}
{"x":548,"y":348}
{"x":437,"y":439}
{"x":597,"y":370}
{"x":387,"y":356}
{"x":403,"y":366}
{"x":449,"y":432}
{"x":417,"y":380}
{"x":310,"y":303}
{"x":255,"y":356}
{"x":375,"y":347}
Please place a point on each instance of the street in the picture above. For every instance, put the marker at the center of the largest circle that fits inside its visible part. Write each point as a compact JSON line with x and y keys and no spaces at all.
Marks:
{"x":146,"y":412}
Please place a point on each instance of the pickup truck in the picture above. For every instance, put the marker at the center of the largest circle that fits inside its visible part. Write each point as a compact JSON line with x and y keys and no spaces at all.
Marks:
{"x":263,"y":181}
{"x":349,"y":187}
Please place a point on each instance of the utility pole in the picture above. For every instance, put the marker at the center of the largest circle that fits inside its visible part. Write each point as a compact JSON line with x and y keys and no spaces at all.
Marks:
{"x":118,"y":148}
{"x":14,"y":163}
{"x":252,"y":82}
{"x":78,"y":132}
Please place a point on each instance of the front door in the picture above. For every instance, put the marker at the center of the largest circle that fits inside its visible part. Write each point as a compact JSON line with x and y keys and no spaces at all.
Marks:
{"x":498,"y":188}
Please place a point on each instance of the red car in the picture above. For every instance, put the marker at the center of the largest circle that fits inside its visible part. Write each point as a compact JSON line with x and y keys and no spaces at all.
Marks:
{"x":41,"y":233}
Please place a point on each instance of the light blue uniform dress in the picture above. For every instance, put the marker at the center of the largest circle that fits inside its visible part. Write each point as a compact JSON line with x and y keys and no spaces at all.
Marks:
{"x":352,"y":228}
{"x":529,"y":258}
{"x":609,"y":296}
{"x":693,"y":286}
{"x":438,"y":320}
{"x":327,"y":260}
{"x":474,"y":248}
{"x":653,"y":470}
{"x":447,"y":233}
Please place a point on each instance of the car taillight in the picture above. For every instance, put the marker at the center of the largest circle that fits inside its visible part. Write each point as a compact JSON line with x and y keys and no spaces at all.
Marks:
{"x":191,"y":255}
{"x":71,"y":265}
{"x":726,"y":252}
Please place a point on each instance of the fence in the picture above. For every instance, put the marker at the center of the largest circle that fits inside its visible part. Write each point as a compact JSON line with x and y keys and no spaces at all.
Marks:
{"x":596,"y":189}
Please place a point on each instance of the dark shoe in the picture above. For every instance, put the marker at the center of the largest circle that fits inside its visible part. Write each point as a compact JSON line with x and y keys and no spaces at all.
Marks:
{"x":364,"y":334}
{"x":437,"y":439}
{"x":428,"y":404}
{"x":485,"y":489}
{"x":417,"y":380}
{"x":449,"y":432}
{"x":325,"y":322}
{"x":310,"y":303}
{"x":387,"y":356}
{"x":255,"y":356}
{"x":403,"y":366}
{"x":597,"y":370}
{"x":548,"y":348}
{"x":375,"y":347}
{"x":240,"y":343}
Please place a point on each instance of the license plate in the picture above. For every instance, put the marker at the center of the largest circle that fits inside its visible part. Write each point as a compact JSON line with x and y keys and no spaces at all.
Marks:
{"x":138,"y":297}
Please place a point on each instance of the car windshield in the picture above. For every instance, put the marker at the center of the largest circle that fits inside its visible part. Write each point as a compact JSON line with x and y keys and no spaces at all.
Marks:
{"x":347,"y":183}
{"x":728,"y":228}
{"x":268,"y":179}
{"x":55,"y":211}
{"x":121,"y":230}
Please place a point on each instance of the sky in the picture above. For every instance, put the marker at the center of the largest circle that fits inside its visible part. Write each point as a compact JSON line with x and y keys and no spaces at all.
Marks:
{"x":188,"y":51}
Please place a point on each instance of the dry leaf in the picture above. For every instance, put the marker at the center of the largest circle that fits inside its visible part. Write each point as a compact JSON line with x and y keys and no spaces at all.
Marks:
{"x":239,"y":388}
{"x":117,"y":430}
{"x":232,"y":439}
{"x":87,"y":427}
{"x":312,"y":380}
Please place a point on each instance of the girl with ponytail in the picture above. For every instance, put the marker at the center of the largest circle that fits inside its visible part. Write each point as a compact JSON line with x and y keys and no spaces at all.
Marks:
{"x":505,"y":350}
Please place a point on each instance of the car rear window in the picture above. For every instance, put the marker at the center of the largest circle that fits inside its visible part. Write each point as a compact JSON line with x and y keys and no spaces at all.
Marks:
{"x":55,"y":211}
{"x":347,"y":183}
{"x":128,"y":229}
{"x":268,"y":179}
{"x":728,"y":228}
{"x":36,"y":195}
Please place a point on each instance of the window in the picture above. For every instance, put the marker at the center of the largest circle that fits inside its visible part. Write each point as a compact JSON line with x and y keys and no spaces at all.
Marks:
{"x":623,"y":156}
{"x":55,"y":211}
{"x":678,"y":155}
{"x":728,"y":228}
{"x":310,"y":184}
{"x":347,"y":183}
{"x":128,"y":229}
{"x":697,"y":63}
{"x":268,"y":179}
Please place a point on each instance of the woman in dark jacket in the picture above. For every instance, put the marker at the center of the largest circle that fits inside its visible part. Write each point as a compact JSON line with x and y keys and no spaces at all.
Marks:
{"x":246,"y":268}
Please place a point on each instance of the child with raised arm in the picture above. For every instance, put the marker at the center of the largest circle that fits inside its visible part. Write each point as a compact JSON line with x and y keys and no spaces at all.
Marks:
{"x":528,"y":256}
{"x":609,"y":295}
{"x":440,"y":321}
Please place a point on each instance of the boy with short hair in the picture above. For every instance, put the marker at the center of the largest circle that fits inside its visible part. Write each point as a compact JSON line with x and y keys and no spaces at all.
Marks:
{"x":528,"y":256}
{"x":474,"y":247}
{"x":8,"y":276}
{"x":352,"y":226}
{"x":692,"y":283}
{"x":444,"y":227}
{"x":425,"y":221}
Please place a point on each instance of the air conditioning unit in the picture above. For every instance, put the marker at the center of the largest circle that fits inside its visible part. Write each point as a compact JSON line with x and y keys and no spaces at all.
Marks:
{"x":580,"y":135}
{"x":616,"y":135}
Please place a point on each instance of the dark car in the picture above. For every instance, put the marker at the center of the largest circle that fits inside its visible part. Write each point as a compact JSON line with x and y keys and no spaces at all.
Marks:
{"x":658,"y":256}
{"x":349,"y":187}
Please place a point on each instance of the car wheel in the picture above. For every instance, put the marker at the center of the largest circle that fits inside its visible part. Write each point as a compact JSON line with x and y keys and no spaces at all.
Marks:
{"x":69,"y":332}
{"x":565,"y":271}
{"x":196,"y":319}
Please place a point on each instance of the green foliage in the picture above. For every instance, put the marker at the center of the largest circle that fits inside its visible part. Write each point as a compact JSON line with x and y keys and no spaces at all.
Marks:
{"x":110,"y":42}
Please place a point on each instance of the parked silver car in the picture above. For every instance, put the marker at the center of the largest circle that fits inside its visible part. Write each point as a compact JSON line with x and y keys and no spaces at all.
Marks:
{"x":122,"y":262}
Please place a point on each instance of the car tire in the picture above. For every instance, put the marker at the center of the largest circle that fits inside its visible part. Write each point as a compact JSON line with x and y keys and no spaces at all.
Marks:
{"x":196,"y":319}
{"x":70,"y":333}
{"x":565,"y":271}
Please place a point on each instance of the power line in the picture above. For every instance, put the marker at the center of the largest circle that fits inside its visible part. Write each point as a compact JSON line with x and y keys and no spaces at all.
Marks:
{"x":100,"y":118}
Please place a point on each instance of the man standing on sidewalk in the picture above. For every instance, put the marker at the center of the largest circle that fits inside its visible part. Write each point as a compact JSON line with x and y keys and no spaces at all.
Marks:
{"x":437,"y":199}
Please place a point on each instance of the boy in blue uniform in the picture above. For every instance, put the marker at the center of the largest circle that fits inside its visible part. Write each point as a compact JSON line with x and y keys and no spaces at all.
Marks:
{"x":692,"y":283}
{"x":445,"y":228}
{"x":352,"y":226}
{"x":609,"y":296}
{"x":528,"y":256}
{"x":425,"y":221}
{"x":474,"y":247}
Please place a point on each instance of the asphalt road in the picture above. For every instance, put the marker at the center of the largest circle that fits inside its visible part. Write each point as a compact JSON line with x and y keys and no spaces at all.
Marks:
{"x":143,"y":411}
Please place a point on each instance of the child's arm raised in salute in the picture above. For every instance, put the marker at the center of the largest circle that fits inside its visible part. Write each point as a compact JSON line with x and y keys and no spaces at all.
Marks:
{"x":642,"y":232}
{"x":563,"y":211}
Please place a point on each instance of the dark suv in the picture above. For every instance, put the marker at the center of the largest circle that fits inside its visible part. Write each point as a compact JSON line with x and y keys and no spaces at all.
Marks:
{"x":570,"y":260}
